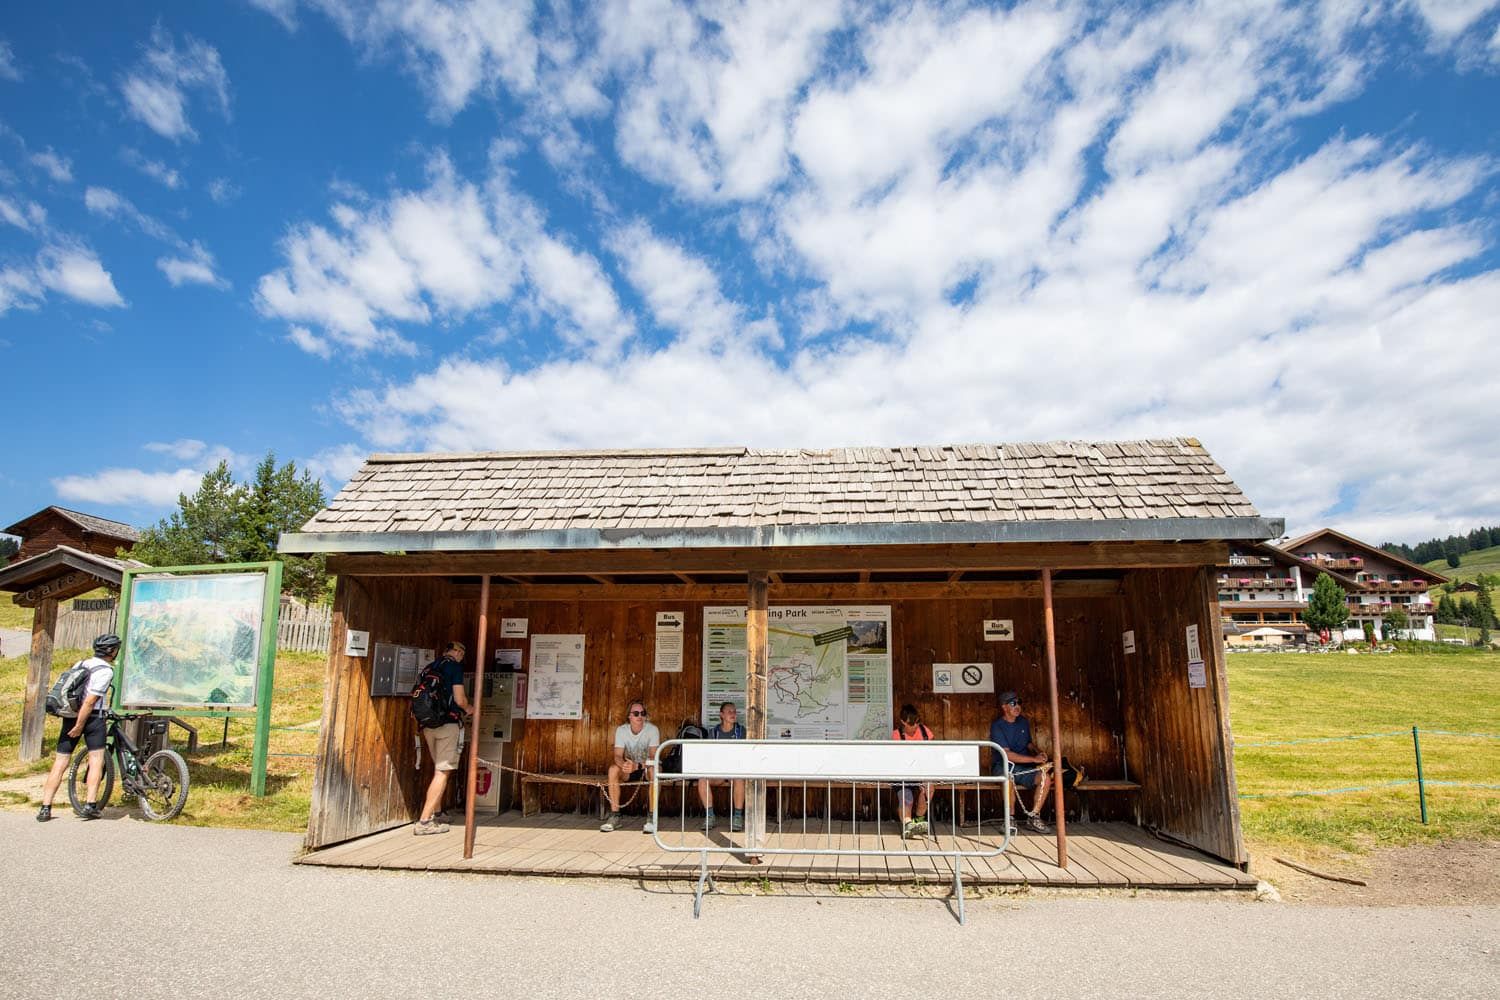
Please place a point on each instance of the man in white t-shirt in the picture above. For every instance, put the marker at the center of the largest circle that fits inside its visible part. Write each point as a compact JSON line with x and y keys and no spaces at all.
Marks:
{"x":635,"y":751}
{"x":89,"y":725}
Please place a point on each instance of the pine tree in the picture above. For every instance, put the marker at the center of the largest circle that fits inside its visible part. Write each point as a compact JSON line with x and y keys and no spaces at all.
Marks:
{"x":1447,"y":614}
{"x":204,"y":529}
{"x":1328,"y":605}
{"x":1484,"y":611}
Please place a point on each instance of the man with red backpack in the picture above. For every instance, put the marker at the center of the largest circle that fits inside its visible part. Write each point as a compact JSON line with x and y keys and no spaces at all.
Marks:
{"x":440,"y":704}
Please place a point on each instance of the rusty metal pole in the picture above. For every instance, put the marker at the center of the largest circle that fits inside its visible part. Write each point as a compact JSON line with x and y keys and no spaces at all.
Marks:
{"x":756,"y":653}
{"x":1048,"y":618}
{"x":477,"y":701}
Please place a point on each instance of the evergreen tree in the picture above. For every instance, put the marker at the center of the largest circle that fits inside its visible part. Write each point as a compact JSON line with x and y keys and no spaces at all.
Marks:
{"x":1447,"y":614}
{"x":1328,"y":606}
{"x":1484,"y":613}
{"x":9,"y":546}
{"x":226,"y":522}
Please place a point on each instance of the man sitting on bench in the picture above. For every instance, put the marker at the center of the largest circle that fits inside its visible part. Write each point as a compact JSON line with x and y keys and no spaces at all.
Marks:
{"x":1012,"y":732}
{"x":635,"y":744}
{"x":727,"y":729}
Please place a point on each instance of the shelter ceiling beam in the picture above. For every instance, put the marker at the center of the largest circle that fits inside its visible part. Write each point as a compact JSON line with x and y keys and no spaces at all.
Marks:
{"x":813,"y":592}
{"x":849,"y":559}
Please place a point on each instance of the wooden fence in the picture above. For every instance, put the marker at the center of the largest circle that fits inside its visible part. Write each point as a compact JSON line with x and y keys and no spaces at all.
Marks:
{"x":300,"y":629}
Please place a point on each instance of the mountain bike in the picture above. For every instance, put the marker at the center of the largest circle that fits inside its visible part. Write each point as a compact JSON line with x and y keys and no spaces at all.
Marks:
{"x":159,"y":783}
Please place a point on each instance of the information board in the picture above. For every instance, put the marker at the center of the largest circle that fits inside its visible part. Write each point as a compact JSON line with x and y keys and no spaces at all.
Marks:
{"x":828,"y":673}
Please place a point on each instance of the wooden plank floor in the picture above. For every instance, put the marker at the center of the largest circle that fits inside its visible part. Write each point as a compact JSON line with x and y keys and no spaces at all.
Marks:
{"x":1101,"y":855}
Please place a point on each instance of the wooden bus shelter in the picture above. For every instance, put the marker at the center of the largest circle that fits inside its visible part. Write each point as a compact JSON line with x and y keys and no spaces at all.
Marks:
{"x":1102,"y":556}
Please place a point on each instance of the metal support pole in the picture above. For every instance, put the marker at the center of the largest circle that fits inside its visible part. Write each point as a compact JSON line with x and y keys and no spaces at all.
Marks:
{"x":1416,"y":743}
{"x":756,"y":693}
{"x":1048,"y":619}
{"x":476,"y":700}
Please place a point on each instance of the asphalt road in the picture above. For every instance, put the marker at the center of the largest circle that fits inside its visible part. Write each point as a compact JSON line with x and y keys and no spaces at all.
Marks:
{"x":193,"y":912}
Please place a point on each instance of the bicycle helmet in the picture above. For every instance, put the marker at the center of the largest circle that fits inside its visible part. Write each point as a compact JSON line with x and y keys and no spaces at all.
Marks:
{"x":106,"y":644}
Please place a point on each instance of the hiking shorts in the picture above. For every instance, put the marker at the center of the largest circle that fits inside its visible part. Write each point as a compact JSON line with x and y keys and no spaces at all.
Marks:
{"x":93,"y":734}
{"x":442,"y":743}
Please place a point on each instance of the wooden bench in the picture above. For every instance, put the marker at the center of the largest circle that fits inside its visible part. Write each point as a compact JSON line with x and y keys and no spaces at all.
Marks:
{"x":1091,"y":785}
{"x":531,"y":787}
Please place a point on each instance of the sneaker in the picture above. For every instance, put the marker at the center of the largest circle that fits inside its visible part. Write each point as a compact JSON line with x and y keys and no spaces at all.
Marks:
{"x":649,"y":828}
{"x":920,"y":826}
{"x":909,"y":829}
{"x":737,"y":819}
{"x":427,"y":827}
{"x":44,"y":814}
{"x":441,"y":816}
{"x":90,"y":810}
{"x":608,"y":826}
{"x":1035,"y":825}
{"x":709,"y":821}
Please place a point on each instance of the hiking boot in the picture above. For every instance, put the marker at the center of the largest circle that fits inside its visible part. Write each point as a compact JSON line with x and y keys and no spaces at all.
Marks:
{"x":709,"y":821}
{"x":90,"y":810}
{"x":1035,"y":825}
{"x":427,"y":827}
{"x":649,"y":828}
{"x":608,"y":826}
{"x":44,"y":814}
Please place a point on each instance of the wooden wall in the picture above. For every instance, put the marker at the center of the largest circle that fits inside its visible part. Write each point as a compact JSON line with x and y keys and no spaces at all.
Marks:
{"x":1177,"y":738}
{"x":366,"y":780}
{"x":52,"y":530}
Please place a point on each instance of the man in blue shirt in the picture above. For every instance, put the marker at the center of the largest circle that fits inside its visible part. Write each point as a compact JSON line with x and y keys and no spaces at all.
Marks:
{"x":1012,"y":733}
{"x":727,"y":729}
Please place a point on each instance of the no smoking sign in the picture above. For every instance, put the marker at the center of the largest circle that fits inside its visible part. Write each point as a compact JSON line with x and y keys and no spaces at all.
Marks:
{"x":963,"y":678}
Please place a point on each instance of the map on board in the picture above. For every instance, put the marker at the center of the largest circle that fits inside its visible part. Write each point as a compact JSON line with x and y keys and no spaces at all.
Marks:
{"x":193,"y":640}
{"x":556,"y":678}
{"x":828,"y":673}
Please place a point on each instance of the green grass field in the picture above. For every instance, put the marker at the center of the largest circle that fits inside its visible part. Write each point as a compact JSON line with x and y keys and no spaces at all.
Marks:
{"x":12,"y":616}
{"x":1290,"y":696}
{"x":1471,"y":564}
{"x":220,"y":786}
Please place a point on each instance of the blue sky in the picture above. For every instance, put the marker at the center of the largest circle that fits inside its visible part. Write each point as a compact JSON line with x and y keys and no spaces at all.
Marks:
{"x":329,"y":228}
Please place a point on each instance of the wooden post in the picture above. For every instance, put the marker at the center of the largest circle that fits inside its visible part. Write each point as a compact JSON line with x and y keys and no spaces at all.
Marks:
{"x":476,"y":700}
{"x":38,"y":679}
{"x":1062,"y":819}
{"x":756,"y":653}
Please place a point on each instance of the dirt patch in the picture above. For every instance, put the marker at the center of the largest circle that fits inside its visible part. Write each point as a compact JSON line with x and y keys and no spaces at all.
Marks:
{"x":1454,"y":873}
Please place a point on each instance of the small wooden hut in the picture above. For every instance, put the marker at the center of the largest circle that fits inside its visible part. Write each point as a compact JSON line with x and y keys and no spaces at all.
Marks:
{"x":1101,"y":557}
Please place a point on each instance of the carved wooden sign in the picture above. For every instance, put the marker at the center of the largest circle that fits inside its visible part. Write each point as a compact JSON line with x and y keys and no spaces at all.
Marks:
{"x":73,"y":582}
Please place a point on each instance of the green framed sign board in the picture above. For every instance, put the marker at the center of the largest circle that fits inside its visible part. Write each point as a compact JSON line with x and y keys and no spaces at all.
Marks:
{"x":200,"y":641}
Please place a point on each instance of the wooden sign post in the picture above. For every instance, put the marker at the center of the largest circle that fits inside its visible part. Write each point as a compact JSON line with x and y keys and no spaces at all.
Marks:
{"x":38,"y":679}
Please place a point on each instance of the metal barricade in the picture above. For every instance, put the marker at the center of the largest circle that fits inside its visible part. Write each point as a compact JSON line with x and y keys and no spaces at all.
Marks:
{"x":851,"y":766}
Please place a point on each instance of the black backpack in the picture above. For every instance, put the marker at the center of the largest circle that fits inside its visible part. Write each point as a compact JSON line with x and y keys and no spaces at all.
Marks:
{"x":926,"y":733}
{"x":671,"y":761}
{"x":431,"y":705}
{"x":66,"y":697}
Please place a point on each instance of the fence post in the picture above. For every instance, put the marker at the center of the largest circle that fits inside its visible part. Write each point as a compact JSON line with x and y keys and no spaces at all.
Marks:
{"x":1416,"y":743}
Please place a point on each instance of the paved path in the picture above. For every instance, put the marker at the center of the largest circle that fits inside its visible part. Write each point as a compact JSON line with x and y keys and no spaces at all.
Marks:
{"x":223,"y":913}
{"x":15,"y":642}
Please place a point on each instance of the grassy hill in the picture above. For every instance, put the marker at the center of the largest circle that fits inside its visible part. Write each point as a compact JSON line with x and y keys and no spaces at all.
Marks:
{"x":1485,"y":561}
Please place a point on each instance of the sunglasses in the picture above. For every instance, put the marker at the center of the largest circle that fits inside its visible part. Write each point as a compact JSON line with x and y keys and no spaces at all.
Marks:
{"x":1015,"y":702}
{"x":640,"y":713}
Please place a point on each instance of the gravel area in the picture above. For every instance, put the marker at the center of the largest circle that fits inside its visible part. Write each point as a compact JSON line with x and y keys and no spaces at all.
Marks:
{"x":226,"y":913}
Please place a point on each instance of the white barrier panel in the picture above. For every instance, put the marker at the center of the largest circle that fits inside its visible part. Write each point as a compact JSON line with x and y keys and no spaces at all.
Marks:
{"x":774,"y":760}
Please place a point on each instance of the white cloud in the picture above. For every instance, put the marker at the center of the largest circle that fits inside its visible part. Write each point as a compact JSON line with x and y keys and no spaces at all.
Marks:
{"x":447,"y":251}
{"x":59,"y":168}
{"x":335,"y":465}
{"x":196,"y":267}
{"x":184,"y":449}
{"x":112,"y":205}
{"x":75,"y":271}
{"x":157,"y":90}
{"x":28,"y":215}
{"x":284,"y":11}
{"x":128,"y":486}
{"x":8,"y":68}
{"x":222,"y":190}
{"x":19,"y":289}
{"x":155,"y":169}
{"x":1449,"y":18}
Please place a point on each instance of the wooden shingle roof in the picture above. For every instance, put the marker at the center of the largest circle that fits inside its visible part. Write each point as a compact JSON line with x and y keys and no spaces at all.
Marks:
{"x":739,"y":489}
{"x":88,"y":522}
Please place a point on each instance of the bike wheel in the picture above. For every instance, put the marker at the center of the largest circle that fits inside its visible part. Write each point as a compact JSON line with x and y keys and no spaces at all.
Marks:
{"x":164,"y":785}
{"x":78,"y":773}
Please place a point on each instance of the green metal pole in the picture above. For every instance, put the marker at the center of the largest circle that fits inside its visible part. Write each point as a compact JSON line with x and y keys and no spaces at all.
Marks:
{"x":122,"y":622}
{"x":270,"y":613}
{"x":1416,"y":743}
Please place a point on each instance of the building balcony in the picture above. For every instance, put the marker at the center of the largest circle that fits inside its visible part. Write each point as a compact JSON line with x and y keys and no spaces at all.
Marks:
{"x":1337,"y":562}
{"x":1379,"y":609}
{"x":1251,"y":583}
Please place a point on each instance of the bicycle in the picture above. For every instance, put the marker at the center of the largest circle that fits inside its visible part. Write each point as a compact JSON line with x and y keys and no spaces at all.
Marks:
{"x":159,"y":784}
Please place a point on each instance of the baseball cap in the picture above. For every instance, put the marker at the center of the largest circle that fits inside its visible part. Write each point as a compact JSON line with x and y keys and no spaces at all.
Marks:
{"x":1009,"y":696}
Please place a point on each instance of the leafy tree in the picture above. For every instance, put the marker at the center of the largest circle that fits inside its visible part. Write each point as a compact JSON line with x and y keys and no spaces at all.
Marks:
{"x":1395,"y":624}
{"x":1454,"y":561}
{"x":227,"y":522}
{"x":1369,"y":628}
{"x":1328,"y":606}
